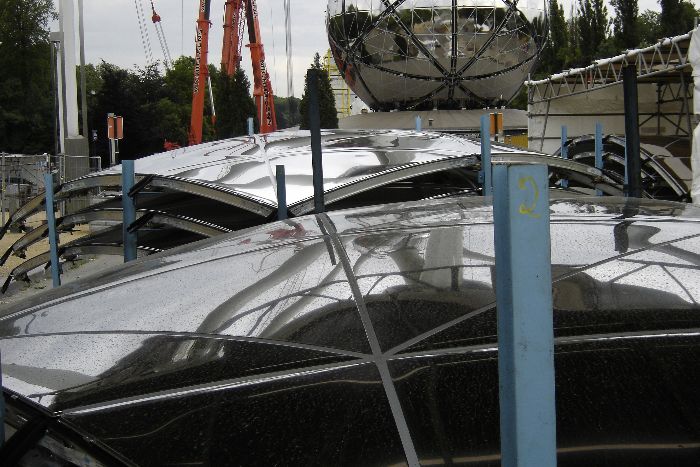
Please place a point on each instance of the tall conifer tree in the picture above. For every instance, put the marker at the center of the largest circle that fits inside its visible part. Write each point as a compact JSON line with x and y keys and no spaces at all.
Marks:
{"x":326,"y":99}
{"x":625,"y":24}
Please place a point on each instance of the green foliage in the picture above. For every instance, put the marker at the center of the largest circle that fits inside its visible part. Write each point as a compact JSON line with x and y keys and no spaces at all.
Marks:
{"x":26,"y":99}
{"x":326,"y":99}
{"x":287,"y":111}
{"x":649,"y":27}
{"x":591,"y":29}
{"x":234,"y":105}
{"x":626,"y":23}
{"x":520,"y":100}
{"x":677,"y":17}
{"x":556,"y":52}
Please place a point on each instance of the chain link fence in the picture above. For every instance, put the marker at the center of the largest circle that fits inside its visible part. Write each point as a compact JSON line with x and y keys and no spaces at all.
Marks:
{"x":22,"y":178}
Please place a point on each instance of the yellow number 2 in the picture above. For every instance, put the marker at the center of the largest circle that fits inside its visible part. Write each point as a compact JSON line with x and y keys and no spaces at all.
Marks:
{"x":529,"y":210}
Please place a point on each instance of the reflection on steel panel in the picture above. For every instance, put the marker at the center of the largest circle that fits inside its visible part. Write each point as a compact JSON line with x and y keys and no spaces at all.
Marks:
{"x":229,"y":185}
{"x":268,"y":326}
{"x":659,"y":178}
{"x":434,"y":53}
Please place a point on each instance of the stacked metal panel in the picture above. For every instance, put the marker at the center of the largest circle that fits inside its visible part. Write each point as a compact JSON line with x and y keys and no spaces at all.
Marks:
{"x":203,"y":191}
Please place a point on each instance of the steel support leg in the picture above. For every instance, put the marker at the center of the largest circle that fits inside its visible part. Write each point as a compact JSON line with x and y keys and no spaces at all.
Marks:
{"x":599,"y":150}
{"x":564,"y":151}
{"x":53,"y":236}
{"x":486,"y":171}
{"x":251,"y":126}
{"x":129,"y":211}
{"x":316,"y":155}
{"x":419,"y":123}
{"x":525,"y":323}
{"x":633,"y":164}
{"x":281,"y":193}
{"x":2,"y":408}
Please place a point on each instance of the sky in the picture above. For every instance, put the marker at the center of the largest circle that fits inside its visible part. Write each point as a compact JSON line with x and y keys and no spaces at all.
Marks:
{"x":112,"y":33}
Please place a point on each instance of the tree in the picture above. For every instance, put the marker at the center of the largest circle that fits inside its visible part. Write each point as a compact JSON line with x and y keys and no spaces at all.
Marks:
{"x":625,"y":23}
{"x":287,"y":111}
{"x":26,"y":98}
{"x":234,"y":104}
{"x":591,"y":28}
{"x":326,"y":99}
{"x":556,"y":53}
{"x":649,"y":28}
{"x":677,"y":17}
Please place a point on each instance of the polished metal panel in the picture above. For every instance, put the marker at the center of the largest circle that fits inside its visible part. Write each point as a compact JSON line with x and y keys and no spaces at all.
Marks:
{"x":660,"y":180}
{"x":259,"y":339}
{"x":263,"y":294}
{"x":435,"y":53}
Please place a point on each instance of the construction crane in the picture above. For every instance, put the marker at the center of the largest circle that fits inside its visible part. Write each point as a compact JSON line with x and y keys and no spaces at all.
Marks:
{"x":145,"y":38}
{"x":155,"y":17}
{"x":201,"y":72}
{"x":237,"y":15}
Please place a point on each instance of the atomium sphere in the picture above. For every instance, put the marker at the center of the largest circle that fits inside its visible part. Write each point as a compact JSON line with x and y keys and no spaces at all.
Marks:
{"x":423,"y":54}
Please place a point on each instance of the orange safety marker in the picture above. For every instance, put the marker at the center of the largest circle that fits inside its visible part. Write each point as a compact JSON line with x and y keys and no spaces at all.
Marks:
{"x":115,"y":127}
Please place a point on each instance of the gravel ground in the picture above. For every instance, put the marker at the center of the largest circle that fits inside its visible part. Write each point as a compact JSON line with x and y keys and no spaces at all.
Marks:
{"x":40,"y":279}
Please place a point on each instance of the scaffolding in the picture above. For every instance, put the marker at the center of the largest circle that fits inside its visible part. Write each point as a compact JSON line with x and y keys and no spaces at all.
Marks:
{"x":579,"y":96}
{"x":342,"y":92}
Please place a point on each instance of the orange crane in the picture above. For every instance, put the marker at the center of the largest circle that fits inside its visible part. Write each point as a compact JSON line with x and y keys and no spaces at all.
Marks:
{"x":201,"y":72}
{"x":236,"y":14}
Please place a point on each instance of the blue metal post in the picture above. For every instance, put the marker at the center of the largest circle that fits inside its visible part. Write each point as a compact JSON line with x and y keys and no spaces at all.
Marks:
{"x":564,"y":153}
{"x":419,"y":123}
{"x":525,"y":322}
{"x":53,"y":237}
{"x":281,"y":193}
{"x":129,"y":211}
{"x":2,"y":407}
{"x":486,"y":172}
{"x":599,"y":150}
{"x":316,"y":152}
{"x":251,"y":126}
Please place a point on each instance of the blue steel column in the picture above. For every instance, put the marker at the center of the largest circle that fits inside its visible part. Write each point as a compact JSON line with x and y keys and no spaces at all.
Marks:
{"x":2,"y":407}
{"x":419,"y":123}
{"x":564,"y":153}
{"x":316,"y":154}
{"x":599,"y":150}
{"x":525,"y":323}
{"x":251,"y":126}
{"x":53,"y":237}
{"x":129,"y":211}
{"x":486,"y":172}
{"x":281,"y":193}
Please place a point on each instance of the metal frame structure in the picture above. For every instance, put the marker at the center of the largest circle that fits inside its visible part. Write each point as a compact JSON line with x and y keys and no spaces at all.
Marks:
{"x":665,"y":64}
{"x":176,"y":206}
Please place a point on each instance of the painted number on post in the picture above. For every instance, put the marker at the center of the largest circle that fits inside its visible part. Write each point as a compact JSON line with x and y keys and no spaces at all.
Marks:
{"x":528,"y":208}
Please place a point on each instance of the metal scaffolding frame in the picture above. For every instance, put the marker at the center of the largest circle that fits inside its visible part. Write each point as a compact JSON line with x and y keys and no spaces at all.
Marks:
{"x":665,"y":61}
{"x":665,"y":64}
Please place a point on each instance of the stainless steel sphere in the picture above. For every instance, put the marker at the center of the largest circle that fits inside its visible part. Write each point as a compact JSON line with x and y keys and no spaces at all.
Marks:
{"x":399,"y":54}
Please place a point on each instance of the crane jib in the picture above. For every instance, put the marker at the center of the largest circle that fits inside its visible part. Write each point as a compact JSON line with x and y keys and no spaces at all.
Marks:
{"x":237,"y":13}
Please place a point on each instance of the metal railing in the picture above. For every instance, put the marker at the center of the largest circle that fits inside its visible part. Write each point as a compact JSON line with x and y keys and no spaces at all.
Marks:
{"x":22,"y":178}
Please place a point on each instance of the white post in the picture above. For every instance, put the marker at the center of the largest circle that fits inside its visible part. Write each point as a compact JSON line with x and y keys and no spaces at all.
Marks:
{"x":67,"y":72}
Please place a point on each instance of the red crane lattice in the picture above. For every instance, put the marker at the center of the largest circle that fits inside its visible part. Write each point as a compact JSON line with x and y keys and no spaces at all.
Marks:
{"x":236,"y":14}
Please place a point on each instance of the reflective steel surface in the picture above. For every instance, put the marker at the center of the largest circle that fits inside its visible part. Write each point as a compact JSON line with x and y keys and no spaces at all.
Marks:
{"x":200,"y":191}
{"x":318,"y":339}
{"x":435,"y":53}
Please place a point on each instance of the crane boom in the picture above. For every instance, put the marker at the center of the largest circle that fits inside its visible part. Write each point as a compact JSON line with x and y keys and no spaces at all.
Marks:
{"x":201,"y":72}
{"x":155,"y":17}
{"x":237,"y":15}
{"x":233,"y":28}
{"x":262,"y":87}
